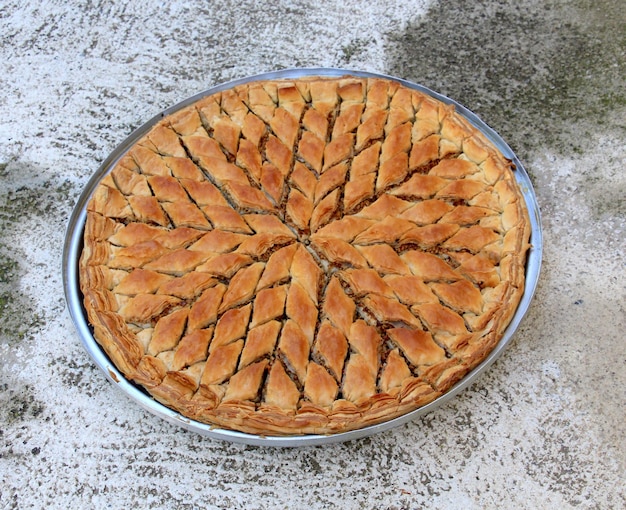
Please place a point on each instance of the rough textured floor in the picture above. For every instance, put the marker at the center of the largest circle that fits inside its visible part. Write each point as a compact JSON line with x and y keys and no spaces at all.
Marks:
{"x":545,"y":427}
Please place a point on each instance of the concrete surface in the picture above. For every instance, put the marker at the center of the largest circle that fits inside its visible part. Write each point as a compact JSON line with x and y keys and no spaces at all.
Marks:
{"x":544,"y":428}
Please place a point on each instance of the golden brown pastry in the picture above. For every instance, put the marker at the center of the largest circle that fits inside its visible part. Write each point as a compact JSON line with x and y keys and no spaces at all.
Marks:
{"x":304,"y":256}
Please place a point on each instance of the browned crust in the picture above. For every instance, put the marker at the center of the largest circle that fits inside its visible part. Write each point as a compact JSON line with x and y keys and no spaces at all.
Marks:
{"x":226,"y":142}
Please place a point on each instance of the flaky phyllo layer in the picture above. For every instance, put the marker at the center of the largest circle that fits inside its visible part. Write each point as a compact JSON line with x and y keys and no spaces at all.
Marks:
{"x":307,"y":256}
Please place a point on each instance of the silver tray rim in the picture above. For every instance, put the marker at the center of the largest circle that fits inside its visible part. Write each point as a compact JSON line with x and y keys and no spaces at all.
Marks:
{"x":73,"y":247}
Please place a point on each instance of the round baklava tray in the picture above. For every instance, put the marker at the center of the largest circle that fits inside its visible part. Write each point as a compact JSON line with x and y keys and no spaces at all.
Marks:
{"x":303,"y":257}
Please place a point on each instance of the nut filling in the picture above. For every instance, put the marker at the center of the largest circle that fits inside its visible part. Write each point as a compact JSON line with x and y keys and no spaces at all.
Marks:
{"x":304,"y":256}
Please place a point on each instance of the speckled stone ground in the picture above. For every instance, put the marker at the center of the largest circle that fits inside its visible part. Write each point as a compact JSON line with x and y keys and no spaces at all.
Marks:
{"x":545,"y":427}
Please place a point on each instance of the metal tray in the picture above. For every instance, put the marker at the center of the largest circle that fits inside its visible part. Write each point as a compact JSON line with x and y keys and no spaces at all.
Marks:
{"x":73,"y":247}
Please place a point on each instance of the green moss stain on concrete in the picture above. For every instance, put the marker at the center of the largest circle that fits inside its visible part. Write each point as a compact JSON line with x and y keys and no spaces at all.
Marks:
{"x":30,"y":206}
{"x":533,"y":71}
{"x":19,"y":404}
{"x":37,"y":199}
{"x":354,"y":49}
{"x":18,"y":317}
{"x":8,"y":276}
